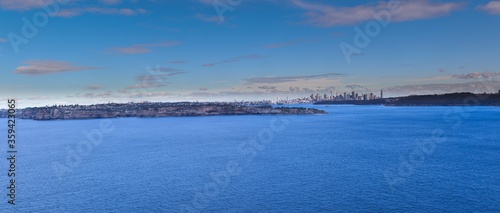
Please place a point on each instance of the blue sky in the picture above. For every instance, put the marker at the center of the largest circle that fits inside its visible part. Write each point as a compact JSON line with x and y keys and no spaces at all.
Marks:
{"x":73,"y":51}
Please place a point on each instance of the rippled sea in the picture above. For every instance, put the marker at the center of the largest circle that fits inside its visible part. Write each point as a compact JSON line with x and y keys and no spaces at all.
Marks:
{"x":354,"y":159}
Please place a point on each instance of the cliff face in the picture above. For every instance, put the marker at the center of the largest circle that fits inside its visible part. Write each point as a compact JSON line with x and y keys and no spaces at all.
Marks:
{"x":153,"y":110}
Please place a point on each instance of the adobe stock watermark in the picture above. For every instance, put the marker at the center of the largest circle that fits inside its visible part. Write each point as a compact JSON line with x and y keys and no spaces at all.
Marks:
{"x":248,"y":150}
{"x":30,"y":27}
{"x":76,"y":153}
{"x":416,"y":156}
{"x":362,"y":39}
{"x":223,"y":6}
{"x":155,"y":78}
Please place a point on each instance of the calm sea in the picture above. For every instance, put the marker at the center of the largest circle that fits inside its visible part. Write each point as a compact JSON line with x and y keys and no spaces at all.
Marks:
{"x":355,"y":159}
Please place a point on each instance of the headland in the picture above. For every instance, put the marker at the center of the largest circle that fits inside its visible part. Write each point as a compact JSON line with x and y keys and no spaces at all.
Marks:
{"x":150,"y":109}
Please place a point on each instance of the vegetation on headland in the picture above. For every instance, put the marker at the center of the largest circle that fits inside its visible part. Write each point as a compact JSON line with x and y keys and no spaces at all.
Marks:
{"x":451,"y":99}
{"x":148,"y":109}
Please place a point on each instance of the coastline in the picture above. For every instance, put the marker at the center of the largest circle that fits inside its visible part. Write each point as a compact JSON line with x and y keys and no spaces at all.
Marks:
{"x":450,"y":99}
{"x":154,"y":110}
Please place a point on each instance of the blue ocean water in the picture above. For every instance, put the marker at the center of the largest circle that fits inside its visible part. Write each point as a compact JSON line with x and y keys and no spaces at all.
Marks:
{"x":355,"y":159}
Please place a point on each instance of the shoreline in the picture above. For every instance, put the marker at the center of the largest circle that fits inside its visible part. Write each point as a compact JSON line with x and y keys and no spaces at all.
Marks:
{"x":154,"y":110}
{"x":450,"y":99}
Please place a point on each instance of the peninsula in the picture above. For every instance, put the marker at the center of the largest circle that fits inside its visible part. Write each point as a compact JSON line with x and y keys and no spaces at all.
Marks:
{"x":451,"y":99}
{"x":149,"y":109}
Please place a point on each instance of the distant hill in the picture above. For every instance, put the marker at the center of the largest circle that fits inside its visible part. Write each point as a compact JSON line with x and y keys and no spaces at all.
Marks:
{"x":451,"y":99}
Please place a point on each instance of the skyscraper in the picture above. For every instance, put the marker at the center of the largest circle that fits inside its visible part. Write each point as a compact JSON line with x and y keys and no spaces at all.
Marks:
{"x":381,"y":94}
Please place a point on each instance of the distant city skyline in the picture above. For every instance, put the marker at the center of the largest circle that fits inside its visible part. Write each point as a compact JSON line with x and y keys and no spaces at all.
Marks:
{"x":84,"y":52}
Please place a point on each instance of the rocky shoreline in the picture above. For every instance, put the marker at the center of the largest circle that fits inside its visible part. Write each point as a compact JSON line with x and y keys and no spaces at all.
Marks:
{"x":112,"y":110}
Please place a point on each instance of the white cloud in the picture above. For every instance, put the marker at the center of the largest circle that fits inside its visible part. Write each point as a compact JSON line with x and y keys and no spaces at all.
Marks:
{"x":476,"y":75}
{"x":71,"y":12}
{"x":232,"y":60}
{"x":143,"y":48}
{"x":111,"y":2}
{"x":206,"y":18}
{"x":23,"y":5}
{"x":283,"y":79}
{"x":329,"y":16}
{"x":94,"y":87}
{"x":493,"y":7}
{"x":44,"y":67}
